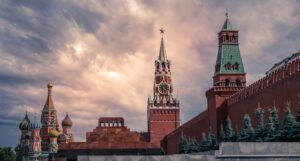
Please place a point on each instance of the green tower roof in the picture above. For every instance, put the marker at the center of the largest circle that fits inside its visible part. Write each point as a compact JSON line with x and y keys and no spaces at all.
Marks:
{"x":229,"y":54}
{"x":227,"y":24}
{"x":229,"y":60}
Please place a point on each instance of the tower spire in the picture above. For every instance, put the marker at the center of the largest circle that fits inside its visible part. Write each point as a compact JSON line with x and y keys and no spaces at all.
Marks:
{"x":162,"y":50}
{"x":227,"y":24}
{"x":49,"y":101}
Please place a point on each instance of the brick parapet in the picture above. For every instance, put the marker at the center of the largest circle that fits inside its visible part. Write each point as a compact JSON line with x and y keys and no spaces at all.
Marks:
{"x":268,"y":81}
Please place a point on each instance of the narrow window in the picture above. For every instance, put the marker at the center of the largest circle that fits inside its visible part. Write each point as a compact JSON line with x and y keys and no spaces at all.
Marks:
{"x":227,"y":82}
{"x":238,"y":82}
{"x":228,"y":66}
{"x":236,"y":66}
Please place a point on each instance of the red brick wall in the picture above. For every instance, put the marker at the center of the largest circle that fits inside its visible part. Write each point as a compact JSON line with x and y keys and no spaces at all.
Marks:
{"x":162,"y":122}
{"x":276,"y":88}
{"x":192,"y":129}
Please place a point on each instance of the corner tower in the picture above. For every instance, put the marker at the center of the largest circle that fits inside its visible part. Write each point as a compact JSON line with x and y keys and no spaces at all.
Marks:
{"x":162,"y":108}
{"x":229,"y":68}
{"x":229,"y":76}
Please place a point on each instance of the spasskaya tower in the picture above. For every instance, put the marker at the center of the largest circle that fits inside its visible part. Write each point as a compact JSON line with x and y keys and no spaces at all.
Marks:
{"x":162,"y":109}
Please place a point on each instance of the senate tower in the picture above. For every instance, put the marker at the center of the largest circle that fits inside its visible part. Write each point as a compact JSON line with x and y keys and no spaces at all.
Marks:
{"x":162,"y":109}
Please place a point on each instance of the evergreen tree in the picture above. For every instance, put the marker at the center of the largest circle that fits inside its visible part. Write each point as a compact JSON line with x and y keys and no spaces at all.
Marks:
{"x":247,"y":132}
{"x":204,"y":145}
{"x":213,"y":141}
{"x":273,"y":132}
{"x":298,"y":112}
{"x":296,"y":135}
{"x":194,"y":146}
{"x":229,"y":132}
{"x":7,"y":154}
{"x":19,"y":154}
{"x":274,"y":117}
{"x":260,"y":125}
{"x":184,"y":145}
{"x":289,"y":125}
{"x":222,"y":134}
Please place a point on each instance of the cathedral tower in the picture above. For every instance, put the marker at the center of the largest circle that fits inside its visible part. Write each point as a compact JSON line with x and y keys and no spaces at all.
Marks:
{"x":48,"y":119}
{"x":163,"y":108}
{"x":229,"y":76}
{"x":35,"y":141}
{"x":23,"y":146}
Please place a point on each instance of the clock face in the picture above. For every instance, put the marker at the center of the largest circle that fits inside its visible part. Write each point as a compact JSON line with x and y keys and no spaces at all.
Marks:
{"x":163,"y":88}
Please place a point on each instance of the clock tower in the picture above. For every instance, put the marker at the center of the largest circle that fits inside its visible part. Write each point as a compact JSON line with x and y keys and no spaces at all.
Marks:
{"x":162,"y":109}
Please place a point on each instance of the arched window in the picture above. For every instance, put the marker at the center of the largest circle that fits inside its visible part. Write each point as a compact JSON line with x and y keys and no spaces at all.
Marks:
{"x":233,"y":38}
{"x":227,"y":82}
{"x":228,"y":66}
{"x":236,"y":66}
{"x":227,"y":37}
{"x":157,"y":66}
{"x":238,"y":82}
{"x":163,"y":66}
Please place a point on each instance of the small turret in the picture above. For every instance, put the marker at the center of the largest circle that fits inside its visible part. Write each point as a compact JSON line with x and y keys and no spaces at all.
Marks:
{"x":67,"y":135}
{"x":67,"y":121}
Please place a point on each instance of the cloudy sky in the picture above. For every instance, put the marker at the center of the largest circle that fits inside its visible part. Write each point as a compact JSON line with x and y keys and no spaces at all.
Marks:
{"x":100,"y":54}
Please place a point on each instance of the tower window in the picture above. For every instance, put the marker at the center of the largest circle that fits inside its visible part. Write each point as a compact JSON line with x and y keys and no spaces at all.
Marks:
{"x":233,"y":38}
{"x":227,"y":82}
{"x":227,"y":37}
{"x":236,"y":66}
{"x":157,"y":67}
{"x":238,"y":82}
{"x":163,"y":66}
{"x":228,"y":66}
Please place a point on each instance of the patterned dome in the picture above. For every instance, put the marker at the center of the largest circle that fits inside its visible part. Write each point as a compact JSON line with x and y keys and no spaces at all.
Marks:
{"x":67,"y":121}
{"x":24,"y":125}
{"x":53,"y":133}
{"x":34,"y":125}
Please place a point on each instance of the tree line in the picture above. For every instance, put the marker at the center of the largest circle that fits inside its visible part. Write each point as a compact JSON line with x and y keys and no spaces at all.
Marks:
{"x":272,"y":131}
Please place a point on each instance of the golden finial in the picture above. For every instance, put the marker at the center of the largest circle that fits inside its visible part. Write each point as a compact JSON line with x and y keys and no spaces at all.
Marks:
{"x":49,"y":85}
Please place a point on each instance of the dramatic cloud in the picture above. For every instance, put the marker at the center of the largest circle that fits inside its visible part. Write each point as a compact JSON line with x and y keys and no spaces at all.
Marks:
{"x":100,"y":54}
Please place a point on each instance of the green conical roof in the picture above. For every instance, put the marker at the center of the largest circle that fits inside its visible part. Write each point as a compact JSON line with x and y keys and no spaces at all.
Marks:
{"x":162,"y":51}
{"x":227,"y":24}
{"x":229,"y":54}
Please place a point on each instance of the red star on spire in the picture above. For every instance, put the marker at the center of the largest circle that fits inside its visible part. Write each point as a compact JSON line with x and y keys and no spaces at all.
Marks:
{"x":162,"y":31}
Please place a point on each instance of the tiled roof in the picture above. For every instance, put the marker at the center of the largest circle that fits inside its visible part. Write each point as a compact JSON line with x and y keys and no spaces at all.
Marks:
{"x":229,"y":53}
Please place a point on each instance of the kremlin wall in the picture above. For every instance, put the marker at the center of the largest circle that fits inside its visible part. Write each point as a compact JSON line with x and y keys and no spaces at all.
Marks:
{"x":275,"y":89}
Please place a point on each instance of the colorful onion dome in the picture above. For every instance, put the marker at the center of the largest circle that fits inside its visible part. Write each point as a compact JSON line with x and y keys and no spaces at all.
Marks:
{"x":53,"y":133}
{"x":67,"y":121}
{"x":24,"y":125}
{"x":34,"y":125}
